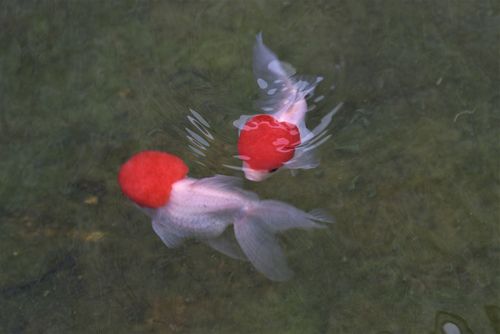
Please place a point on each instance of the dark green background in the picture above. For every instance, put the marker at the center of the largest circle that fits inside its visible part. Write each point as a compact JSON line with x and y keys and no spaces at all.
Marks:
{"x":412,"y":172}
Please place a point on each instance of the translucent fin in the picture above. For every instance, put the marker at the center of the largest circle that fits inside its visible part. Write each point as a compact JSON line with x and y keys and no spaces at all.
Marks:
{"x":256,"y":228}
{"x":322,"y":216}
{"x":305,"y":84}
{"x":277,"y":91}
{"x":280,"y":216}
{"x":261,"y":248}
{"x":320,"y":129}
{"x":279,"y":88}
{"x":305,"y":133}
{"x":220,"y":182}
{"x":167,"y":234}
{"x":223,"y":182}
{"x":266,"y":64}
{"x":325,"y":122}
{"x":227,"y":246}
{"x":322,"y":126}
{"x":302,"y":160}
{"x":148,"y":211}
{"x":305,"y":157}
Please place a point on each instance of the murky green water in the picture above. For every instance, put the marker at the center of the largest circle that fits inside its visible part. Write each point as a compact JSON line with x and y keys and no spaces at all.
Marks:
{"x":412,"y":173}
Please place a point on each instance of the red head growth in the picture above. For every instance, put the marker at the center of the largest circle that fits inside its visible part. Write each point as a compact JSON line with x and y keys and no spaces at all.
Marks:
{"x":147,"y":177}
{"x":266,"y":144}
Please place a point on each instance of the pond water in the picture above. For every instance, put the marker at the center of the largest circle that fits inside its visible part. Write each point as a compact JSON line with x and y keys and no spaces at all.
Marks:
{"x":411,"y":172}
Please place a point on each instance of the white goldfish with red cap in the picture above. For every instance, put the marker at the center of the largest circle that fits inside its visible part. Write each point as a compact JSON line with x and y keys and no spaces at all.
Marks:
{"x":182,"y":207}
{"x":280,"y":137}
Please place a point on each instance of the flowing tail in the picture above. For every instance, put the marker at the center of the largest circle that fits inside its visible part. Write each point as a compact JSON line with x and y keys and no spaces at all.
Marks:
{"x":256,"y":228}
{"x":280,"y":87}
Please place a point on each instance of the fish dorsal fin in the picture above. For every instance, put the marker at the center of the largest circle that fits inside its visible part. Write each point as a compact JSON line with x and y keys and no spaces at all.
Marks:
{"x":221,"y":182}
{"x":227,"y":183}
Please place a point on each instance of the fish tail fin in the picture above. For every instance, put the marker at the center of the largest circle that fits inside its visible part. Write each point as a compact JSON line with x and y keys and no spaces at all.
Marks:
{"x":280,"y":87}
{"x":255,"y":231}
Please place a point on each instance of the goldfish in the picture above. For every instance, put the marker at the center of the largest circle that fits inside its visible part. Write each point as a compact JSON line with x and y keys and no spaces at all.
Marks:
{"x":182,"y":207}
{"x":279,"y":138}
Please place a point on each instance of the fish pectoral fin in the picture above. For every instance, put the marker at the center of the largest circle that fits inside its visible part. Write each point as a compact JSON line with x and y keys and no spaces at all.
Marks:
{"x":166,"y":234}
{"x":225,"y":183}
{"x":227,"y":246}
{"x":302,"y":160}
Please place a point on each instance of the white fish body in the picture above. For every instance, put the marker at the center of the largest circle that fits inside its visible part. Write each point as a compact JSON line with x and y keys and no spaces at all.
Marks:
{"x":204,"y":208}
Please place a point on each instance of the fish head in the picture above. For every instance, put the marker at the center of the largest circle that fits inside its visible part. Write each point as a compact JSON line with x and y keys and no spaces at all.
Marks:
{"x":147,"y":177}
{"x":265,"y":144}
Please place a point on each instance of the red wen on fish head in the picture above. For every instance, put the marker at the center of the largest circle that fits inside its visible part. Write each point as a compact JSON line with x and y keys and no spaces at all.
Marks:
{"x":147,"y":177}
{"x":266,"y":144}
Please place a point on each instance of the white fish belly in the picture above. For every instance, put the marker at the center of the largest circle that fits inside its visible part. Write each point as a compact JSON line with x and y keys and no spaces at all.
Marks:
{"x":201,"y":211}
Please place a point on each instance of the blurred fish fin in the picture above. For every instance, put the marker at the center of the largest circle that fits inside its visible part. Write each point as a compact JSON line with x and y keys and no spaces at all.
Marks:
{"x":302,"y":159}
{"x":261,"y":248}
{"x":221,"y":182}
{"x":279,"y":87}
{"x":322,"y":216}
{"x":166,"y":233}
{"x":255,"y":231}
{"x":305,"y":133}
{"x":226,"y":245}
{"x":277,"y":90}
{"x":280,"y":216}
{"x":305,"y":157}
{"x":305,"y":84}
{"x":325,"y":122}
{"x":266,"y":64}
{"x":148,"y":211}
{"x":224,"y":182}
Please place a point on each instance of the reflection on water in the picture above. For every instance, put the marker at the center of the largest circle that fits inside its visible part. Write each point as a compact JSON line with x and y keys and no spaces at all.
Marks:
{"x":199,"y":137}
{"x":410,"y":172}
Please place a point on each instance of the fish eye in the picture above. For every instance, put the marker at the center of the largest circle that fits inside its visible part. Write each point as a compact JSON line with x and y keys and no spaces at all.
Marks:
{"x":273,"y":170}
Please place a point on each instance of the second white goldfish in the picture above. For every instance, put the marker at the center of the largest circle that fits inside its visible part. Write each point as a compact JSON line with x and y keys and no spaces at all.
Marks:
{"x":262,"y":140}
